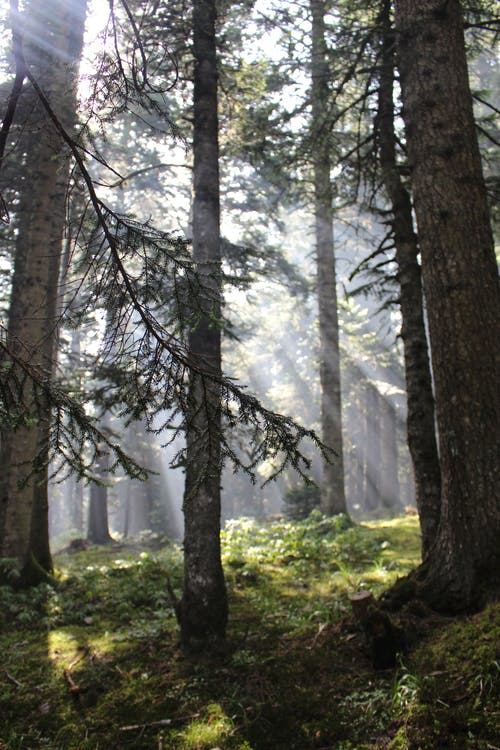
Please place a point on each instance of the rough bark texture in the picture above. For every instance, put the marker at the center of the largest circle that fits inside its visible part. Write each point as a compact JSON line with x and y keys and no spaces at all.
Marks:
{"x":53,"y":42}
{"x":420,"y":424}
{"x":462,"y":293}
{"x":202,"y":611}
{"x":332,"y":484}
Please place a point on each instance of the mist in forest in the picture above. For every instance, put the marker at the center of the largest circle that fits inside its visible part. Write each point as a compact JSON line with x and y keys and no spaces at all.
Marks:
{"x":275,"y":354}
{"x":279,"y":365}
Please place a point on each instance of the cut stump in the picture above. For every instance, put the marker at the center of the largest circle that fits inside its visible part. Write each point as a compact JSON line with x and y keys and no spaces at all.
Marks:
{"x":382,"y":636}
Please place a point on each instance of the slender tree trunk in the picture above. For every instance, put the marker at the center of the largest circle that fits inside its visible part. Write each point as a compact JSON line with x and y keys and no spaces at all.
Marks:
{"x":421,"y":433}
{"x":76,"y":504}
{"x":462,"y":294}
{"x":389,"y":482}
{"x":98,"y":517}
{"x":332,"y":485}
{"x":360,"y":445}
{"x":202,"y":611}
{"x":72,"y":504}
{"x":98,"y":525}
{"x":55,"y":33}
{"x":373,"y":450}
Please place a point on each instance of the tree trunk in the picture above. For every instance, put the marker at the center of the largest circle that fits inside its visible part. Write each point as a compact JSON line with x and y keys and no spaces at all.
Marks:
{"x":420,"y":420}
{"x":76,"y":504}
{"x":360,"y":445}
{"x":462,"y":293}
{"x":72,"y":505}
{"x":55,"y":32}
{"x":332,"y":485}
{"x":389,"y":482}
{"x":373,"y":450}
{"x":98,"y":518}
{"x":202,"y":611}
{"x":98,"y":527}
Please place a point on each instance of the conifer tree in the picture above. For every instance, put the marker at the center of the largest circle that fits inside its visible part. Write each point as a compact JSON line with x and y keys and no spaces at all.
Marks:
{"x":463,"y":301}
{"x":420,"y":398}
{"x":332,"y":483}
{"x":48,"y":38}
{"x":203,"y":608}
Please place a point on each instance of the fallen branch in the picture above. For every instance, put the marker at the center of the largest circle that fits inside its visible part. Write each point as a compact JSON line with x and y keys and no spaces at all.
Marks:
{"x":157,"y":724}
{"x":149,"y":725}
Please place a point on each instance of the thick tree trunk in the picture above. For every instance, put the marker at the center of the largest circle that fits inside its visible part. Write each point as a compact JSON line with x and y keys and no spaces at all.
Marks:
{"x":55,"y":32}
{"x":332,"y":484}
{"x":202,"y":611}
{"x":462,"y":294}
{"x":421,"y":434}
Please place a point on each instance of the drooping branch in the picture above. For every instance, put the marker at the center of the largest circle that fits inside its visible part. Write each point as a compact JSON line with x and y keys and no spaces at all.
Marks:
{"x":150,"y":362}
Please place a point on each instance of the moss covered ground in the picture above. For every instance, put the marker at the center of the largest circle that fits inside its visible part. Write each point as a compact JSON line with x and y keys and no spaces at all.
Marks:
{"x":93,"y":662}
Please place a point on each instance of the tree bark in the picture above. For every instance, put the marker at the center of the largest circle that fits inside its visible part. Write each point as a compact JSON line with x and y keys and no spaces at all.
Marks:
{"x":360,"y":444}
{"x":373,"y":449}
{"x":332,"y":486}
{"x":202,"y":611}
{"x":98,"y":518}
{"x":98,"y":526}
{"x":389,"y":481}
{"x":55,"y":31}
{"x":420,"y":420}
{"x":462,"y":293}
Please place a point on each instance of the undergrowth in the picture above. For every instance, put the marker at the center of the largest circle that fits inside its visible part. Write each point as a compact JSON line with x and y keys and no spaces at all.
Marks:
{"x":93,"y":661}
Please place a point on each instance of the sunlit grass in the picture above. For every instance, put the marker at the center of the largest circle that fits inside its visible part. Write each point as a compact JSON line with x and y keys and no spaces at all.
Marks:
{"x":206,"y":732}
{"x":295,"y":676}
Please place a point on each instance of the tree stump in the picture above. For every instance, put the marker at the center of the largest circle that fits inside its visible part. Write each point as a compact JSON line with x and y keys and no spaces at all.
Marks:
{"x":383,"y":638}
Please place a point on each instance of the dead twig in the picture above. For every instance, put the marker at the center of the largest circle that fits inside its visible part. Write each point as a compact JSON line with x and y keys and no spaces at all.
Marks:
{"x":74,"y":689}
{"x":158,"y":724}
{"x":149,"y":725}
{"x":77,"y":659}
{"x":13,"y":679}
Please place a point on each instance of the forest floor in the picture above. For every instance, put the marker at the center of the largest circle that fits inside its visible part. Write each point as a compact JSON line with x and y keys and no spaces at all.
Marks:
{"x":92,"y":662}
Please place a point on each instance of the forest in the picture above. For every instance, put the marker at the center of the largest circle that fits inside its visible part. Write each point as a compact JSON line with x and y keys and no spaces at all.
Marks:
{"x":249,"y":374}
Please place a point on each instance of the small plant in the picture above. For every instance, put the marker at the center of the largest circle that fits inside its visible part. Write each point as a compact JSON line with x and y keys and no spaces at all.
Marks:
{"x":405,"y":689}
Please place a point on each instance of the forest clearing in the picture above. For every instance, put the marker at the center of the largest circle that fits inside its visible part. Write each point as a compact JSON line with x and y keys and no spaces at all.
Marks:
{"x":93,"y":661}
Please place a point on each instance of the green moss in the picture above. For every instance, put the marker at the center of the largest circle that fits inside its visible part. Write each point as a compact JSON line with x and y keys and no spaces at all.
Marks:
{"x":206,"y":732}
{"x":296,"y":675}
{"x":400,"y":740}
{"x":456,"y":673}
